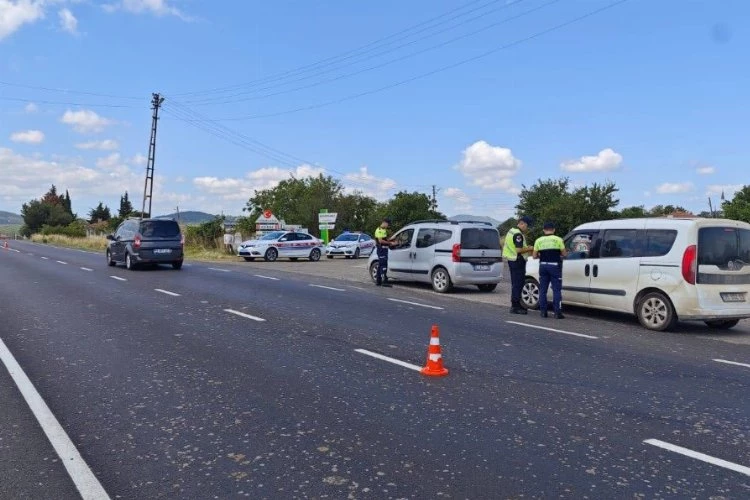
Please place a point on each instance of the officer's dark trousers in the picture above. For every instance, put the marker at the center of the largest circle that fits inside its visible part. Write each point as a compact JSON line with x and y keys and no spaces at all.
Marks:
{"x":517,"y":277}
{"x":382,"y":265}
{"x":550,"y":274}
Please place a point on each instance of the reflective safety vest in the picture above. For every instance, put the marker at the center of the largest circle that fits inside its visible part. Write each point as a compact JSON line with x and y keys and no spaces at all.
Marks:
{"x":550,"y":248}
{"x":380,"y":234}
{"x":514,"y":240}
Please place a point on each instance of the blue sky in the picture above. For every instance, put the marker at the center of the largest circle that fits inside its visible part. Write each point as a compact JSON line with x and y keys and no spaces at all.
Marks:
{"x":651,"y":95}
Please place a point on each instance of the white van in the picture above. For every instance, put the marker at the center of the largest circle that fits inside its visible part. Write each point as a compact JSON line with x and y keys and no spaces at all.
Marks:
{"x":660,"y":269}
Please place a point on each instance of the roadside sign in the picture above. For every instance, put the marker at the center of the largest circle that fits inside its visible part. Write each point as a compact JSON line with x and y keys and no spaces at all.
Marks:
{"x":267,"y":214}
{"x":326,"y":226}
{"x":327,"y":217}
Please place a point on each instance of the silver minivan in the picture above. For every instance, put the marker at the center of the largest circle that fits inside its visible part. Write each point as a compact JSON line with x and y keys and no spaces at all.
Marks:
{"x":445,"y":254}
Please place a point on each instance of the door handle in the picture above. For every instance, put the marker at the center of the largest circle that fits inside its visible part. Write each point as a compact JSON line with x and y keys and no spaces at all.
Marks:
{"x":587,"y":270}
{"x":596,"y":270}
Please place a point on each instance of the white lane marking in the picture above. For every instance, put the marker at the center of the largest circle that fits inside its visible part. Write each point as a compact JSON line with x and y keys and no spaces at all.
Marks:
{"x":553,"y":330}
{"x":86,"y":269}
{"x":220,"y":270}
{"x":699,"y":456}
{"x":85,"y":480}
{"x":14,"y":250}
{"x":61,"y":262}
{"x":266,"y":277}
{"x":732,"y":363}
{"x":390,"y":360}
{"x":328,"y":288}
{"x":357,"y":288}
{"x":45,"y":258}
{"x":248,"y":316}
{"x":415,"y":304}
{"x":167,"y":292}
{"x":118,"y":278}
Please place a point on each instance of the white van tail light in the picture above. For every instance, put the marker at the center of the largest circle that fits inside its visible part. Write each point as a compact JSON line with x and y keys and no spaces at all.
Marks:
{"x":456,"y":254}
{"x":690,"y":264}
{"x":137,"y":241}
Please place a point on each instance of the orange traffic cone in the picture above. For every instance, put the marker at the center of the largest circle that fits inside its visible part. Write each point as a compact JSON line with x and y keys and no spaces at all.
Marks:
{"x":434,"y":366}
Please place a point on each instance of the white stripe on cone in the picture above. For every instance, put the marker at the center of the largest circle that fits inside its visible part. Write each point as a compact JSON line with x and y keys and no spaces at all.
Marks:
{"x":434,"y":341}
{"x":435,"y":357}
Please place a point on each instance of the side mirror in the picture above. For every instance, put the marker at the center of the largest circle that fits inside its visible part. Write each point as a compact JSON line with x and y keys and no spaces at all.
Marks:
{"x":111,"y":237}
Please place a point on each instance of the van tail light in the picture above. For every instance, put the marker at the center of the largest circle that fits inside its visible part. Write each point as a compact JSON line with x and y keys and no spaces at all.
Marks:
{"x":137,"y":242}
{"x":456,"y":254}
{"x":690,"y":264}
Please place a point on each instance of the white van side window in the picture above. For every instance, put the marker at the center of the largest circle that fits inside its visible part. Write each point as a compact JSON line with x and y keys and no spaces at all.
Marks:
{"x":659,"y":242}
{"x":580,"y":245}
{"x":620,"y":243}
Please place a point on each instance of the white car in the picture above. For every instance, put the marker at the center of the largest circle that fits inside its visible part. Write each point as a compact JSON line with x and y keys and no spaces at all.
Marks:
{"x":288,"y":244}
{"x":351,"y":245}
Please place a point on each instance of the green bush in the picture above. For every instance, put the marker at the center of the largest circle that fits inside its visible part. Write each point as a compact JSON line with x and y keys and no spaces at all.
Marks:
{"x":76,"y":229}
{"x":205,"y":235}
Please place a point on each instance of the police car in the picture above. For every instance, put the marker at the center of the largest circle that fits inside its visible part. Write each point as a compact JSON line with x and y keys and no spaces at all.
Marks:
{"x":285,"y":244}
{"x":351,"y":245}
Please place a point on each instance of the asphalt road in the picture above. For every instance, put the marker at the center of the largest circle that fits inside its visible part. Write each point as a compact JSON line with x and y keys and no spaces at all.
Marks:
{"x":223,"y":381}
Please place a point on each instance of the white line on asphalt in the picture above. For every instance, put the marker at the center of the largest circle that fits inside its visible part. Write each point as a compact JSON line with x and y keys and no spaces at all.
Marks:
{"x":167,"y":292}
{"x":699,"y":456}
{"x":220,"y":270}
{"x":86,"y":269}
{"x":415,"y":304}
{"x":85,"y":480}
{"x":118,"y":278}
{"x":328,"y":288}
{"x":45,"y":258}
{"x":61,"y":262}
{"x":14,"y":250}
{"x":266,"y":277}
{"x":248,"y":316}
{"x":390,"y":360}
{"x":553,"y":330}
{"x":732,"y":363}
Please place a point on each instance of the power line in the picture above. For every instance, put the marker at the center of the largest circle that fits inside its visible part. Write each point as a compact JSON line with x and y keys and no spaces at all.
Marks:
{"x":68,"y":91}
{"x":421,"y":76}
{"x":302,"y":69}
{"x":217,"y":99}
{"x":67,"y":103}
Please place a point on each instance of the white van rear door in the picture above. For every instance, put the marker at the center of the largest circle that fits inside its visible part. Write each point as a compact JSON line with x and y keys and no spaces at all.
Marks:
{"x":723,"y":272}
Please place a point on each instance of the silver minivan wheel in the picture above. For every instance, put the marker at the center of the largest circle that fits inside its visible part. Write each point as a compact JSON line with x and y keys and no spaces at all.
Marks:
{"x":530,"y":294}
{"x":128,"y":262}
{"x":656,"y":312}
{"x":374,"y":271}
{"x":441,"y":280}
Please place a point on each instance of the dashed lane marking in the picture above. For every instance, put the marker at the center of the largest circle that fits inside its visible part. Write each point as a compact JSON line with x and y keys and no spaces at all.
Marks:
{"x":583,"y":335}
{"x":167,"y":292}
{"x":699,"y":456}
{"x":118,"y":278}
{"x":61,"y":262}
{"x":415,"y":304}
{"x":243,"y":315}
{"x":328,"y":288}
{"x":85,"y":480}
{"x":86,"y":269}
{"x":746,"y":365}
{"x":266,"y":277}
{"x":220,"y":270}
{"x":389,"y":359}
{"x":45,"y":258}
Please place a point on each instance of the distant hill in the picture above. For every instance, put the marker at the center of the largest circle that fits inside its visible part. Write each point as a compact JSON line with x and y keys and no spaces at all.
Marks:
{"x":478,"y":218}
{"x":195,"y":217}
{"x":10,"y":218}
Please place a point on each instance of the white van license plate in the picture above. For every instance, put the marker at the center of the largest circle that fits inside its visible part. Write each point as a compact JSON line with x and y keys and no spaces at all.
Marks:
{"x":163,"y":250}
{"x":733,"y":297}
{"x":481,"y":267}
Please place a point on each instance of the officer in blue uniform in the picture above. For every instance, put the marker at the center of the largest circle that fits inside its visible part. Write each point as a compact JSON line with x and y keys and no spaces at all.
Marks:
{"x":550,"y":250}
{"x":514,"y":252}
{"x":383,"y":244}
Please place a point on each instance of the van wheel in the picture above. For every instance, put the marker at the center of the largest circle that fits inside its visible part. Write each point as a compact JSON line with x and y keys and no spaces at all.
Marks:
{"x":315,"y":255}
{"x":530,"y":294}
{"x":487,"y":287}
{"x":441,"y":280}
{"x":722,"y":324}
{"x":271,"y":255}
{"x":656,"y":312}
{"x":374,"y":271}
{"x":110,"y":262}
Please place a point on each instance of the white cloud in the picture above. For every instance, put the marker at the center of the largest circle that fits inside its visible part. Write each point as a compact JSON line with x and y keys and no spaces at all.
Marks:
{"x":105,"y":145}
{"x":675,"y":188}
{"x":461,"y":199}
{"x":728,"y":189}
{"x":68,"y":21}
{"x":31,"y":108}
{"x":28,"y":136}
{"x":369,"y":185}
{"x":139,"y":160}
{"x":489,"y":167}
{"x":85,"y":121}
{"x":243,"y":188}
{"x":705,"y":170}
{"x":14,"y":14}
{"x":606,"y":160}
{"x":155,"y":7}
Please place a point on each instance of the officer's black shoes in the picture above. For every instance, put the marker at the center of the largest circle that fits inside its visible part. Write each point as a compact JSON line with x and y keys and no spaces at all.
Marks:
{"x":518,"y":310}
{"x":543,"y":314}
{"x":386,"y":285}
{"x":559,"y":316}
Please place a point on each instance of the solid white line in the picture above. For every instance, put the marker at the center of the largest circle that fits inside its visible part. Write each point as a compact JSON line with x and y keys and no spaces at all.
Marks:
{"x":220,"y":270}
{"x":266,"y":277}
{"x":390,"y":360}
{"x":45,"y":258}
{"x":85,"y":480}
{"x":118,"y":278}
{"x":167,"y":292}
{"x":248,"y":316}
{"x":328,"y":288}
{"x":61,"y":262}
{"x":699,"y":456}
{"x":553,"y":330}
{"x":732,"y":363}
{"x":86,"y":269}
{"x":415,"y":303}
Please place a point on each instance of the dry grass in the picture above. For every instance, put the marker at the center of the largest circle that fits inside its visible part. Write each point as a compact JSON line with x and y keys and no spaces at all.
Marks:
{"x":95,"y":243}
{"x":199,"y":253}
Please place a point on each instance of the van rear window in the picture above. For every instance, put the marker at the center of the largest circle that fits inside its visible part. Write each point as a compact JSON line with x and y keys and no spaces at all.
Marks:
{"x":723,"y":247}
{"x":480,"y":239}
{"x":159,"y":229}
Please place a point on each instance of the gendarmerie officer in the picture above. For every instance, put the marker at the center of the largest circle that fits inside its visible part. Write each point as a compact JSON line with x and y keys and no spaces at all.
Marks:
{"x":383,"y":244}
{"x":550,"y":250}
{"x":514,"y":250}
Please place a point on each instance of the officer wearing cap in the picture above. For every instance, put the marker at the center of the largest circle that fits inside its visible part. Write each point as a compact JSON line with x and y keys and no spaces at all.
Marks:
{"x":383,"y":243}
{"x":514,"y":250}
{"x":550,"y":250}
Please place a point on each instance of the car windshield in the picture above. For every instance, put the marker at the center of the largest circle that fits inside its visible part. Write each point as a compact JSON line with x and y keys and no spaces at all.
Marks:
{"x":159,"y":229}
{"x":348,"y":237}
{"x":273,"y":236}
{"x":480,"y":239}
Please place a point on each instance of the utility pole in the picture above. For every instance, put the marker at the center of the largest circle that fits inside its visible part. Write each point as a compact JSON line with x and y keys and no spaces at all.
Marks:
{"x":148,"y":188}
{"x":433,"y":201}
{"x":178,"y":213}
